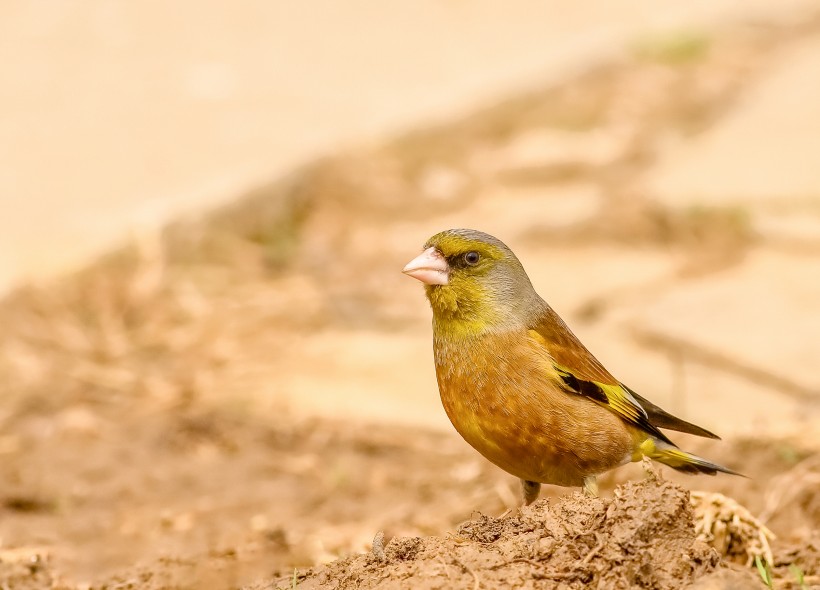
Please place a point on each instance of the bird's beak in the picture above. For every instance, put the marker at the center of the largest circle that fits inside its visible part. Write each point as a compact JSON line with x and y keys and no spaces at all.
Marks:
{"x":429,"y":267}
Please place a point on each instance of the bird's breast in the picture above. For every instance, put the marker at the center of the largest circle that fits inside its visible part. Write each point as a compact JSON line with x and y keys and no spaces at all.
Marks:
{"x":501,"y":394}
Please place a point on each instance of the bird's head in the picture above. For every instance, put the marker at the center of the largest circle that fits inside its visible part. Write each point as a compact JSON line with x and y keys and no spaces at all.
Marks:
{"x":474,"y":282}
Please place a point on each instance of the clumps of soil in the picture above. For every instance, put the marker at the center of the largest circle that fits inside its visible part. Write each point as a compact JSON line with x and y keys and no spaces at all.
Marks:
{"x":644,"y":537}
{"x":26,"y":568}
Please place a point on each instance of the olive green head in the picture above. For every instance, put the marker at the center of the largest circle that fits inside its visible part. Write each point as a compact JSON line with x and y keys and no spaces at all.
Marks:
{"x":473,"y":281}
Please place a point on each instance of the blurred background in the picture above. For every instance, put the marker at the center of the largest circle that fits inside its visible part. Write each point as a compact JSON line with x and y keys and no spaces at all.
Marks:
{"x":212,"y":369}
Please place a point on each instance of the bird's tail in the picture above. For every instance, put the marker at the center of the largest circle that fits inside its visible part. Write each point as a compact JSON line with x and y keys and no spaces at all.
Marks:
{"x":681,"y":460}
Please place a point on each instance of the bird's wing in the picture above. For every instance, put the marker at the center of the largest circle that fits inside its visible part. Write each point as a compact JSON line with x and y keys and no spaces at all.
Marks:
{"x":582,"y":374}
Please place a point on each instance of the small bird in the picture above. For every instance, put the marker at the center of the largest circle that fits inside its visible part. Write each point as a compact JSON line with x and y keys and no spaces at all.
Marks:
{"x":520,"y":387}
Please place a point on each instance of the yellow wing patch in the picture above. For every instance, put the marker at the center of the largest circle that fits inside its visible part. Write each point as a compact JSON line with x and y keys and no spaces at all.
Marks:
{"x":613,"y":397}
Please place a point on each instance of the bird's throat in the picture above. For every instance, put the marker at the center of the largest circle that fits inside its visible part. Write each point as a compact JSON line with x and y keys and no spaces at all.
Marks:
{"x":456,"y":316}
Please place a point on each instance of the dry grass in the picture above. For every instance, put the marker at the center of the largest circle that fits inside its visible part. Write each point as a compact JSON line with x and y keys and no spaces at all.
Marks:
{"x":730,"y":528}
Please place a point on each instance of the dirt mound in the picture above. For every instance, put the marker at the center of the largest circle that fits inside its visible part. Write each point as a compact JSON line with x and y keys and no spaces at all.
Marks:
{"x":643,"y":537}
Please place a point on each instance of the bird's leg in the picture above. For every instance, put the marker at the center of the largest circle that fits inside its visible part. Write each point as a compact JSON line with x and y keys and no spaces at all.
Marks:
{"x":591,"y":486}
{"x":531,"y":490}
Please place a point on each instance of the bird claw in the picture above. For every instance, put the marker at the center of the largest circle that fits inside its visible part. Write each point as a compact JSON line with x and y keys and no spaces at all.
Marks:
{"x":591,"y":486}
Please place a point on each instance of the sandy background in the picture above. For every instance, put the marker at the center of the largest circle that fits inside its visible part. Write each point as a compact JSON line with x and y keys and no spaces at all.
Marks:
{"x":244,"y":385}
{"x":117,"y":116}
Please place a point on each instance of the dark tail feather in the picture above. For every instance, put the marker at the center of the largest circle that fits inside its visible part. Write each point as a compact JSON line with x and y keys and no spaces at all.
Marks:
{"x":686,"y":462}
{"x":663,"y":419}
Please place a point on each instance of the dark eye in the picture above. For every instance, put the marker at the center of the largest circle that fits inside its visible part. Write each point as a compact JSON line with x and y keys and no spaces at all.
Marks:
{"x":472,"y":258}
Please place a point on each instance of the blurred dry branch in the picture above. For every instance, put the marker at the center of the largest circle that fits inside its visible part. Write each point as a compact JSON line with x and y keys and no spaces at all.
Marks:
{"x":801,"y":480}
{"x":694,"y":353}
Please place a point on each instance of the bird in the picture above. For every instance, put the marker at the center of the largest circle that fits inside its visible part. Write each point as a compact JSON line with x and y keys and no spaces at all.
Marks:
{"x":520,"y":387}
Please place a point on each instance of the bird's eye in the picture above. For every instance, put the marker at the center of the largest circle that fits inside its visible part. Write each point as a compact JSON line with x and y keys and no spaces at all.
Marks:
{"x":472,"y":258}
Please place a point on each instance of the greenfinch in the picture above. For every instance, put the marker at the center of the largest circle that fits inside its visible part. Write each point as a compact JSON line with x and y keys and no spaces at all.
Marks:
{"x":520,"y":387}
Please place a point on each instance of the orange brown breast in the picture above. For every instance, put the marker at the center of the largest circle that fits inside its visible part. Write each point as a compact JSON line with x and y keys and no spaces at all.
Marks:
{"x":501,"y":393}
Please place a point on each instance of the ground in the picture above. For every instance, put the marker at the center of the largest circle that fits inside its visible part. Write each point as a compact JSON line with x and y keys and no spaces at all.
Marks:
{"x":241,"y":398}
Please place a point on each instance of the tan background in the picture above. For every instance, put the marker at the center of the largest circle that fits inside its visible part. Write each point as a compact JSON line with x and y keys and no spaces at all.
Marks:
{"x":118,"y":115}
{"x":252,"y":391}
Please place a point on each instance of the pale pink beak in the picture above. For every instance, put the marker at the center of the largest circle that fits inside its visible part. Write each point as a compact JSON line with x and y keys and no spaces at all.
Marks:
{"x":429,"y":267}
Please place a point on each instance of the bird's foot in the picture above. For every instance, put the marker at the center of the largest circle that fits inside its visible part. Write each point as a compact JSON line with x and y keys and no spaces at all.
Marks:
{"x":530,"y":489}
{"x":591,"y":486}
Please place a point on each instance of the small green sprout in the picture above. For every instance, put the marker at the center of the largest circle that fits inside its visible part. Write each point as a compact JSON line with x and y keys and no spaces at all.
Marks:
{"x":798,"y":575}
{"x":765,"y":571}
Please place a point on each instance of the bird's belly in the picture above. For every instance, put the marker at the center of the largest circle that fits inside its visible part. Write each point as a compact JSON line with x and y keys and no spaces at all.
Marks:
{"x":530,"y":428}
